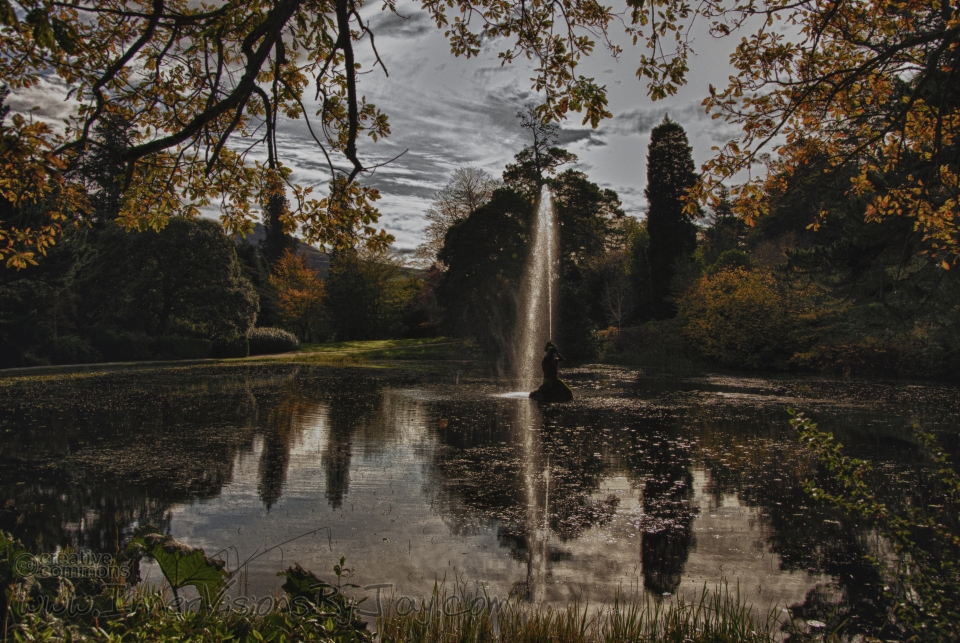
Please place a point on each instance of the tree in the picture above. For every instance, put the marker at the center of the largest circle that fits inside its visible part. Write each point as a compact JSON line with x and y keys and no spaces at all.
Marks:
{"x":276,"y":221}
{"x":536,"y":162}
{"x":871,"y":86}
{"x":586,"y":214}
{"x":484,"y":256}
{"x":724,"y":230}
{"x":367,"y":292}
{"x":670,"y":175}
{"x":882,"y":71}
{"x":300,"y":295}
{"x":184,"y":280}
{"x":465,"y":192}
{"x":616,"y":294}
{"x":99,"y":170}
{"x":738,"y":318}
{"x":256,"y":270}
{"x":190,"y":77}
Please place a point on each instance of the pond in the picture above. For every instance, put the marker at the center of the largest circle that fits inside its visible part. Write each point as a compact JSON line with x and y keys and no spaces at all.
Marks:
{"x":655,"y":484}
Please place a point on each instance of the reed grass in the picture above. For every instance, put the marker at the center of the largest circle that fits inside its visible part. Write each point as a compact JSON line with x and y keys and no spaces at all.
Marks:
{"x":462,"y":616}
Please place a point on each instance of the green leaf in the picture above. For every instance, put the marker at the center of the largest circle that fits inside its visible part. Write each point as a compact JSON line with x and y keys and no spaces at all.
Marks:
{"x":66,"y":36}
{"x":181,"y":564}
{"x":8,"y":17}
{"x":11,"y":551}
{"x":42,"y":31}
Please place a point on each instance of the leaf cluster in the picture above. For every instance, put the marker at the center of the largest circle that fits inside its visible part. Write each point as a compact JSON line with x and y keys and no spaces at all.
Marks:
{"x":925,"y":587}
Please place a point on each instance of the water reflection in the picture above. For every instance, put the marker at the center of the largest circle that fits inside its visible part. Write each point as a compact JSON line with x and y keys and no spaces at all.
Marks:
{"x":667,"y":483}
{"x":536,"y":481}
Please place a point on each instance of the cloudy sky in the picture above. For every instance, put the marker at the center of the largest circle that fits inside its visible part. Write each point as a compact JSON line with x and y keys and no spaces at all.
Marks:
{"x":449,"y":112}
{"x":452,"y":112}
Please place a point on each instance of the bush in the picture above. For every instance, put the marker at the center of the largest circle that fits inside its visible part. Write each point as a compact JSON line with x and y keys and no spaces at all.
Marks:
{"x":657,"y":346}
{"x":265,"y":341}
{"x":730,"y":260}
{"x":71,"y":350}
{"x":236,"y":346}
{"x":738,"y":318}
{"x":120,"y":346}
{"x":173,"y":347}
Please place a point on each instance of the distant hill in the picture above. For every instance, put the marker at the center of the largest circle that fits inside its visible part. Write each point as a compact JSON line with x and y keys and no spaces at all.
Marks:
{"x":317,"y":261}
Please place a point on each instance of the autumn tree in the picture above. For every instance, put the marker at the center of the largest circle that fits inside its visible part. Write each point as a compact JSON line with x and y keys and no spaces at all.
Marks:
{"x":738,"y":318}
{"x":301,"y":296}
{"x":869,"y":86}
{"x":193,"y":79}
{"x":468,"y":189}
{"x":673,"y":235}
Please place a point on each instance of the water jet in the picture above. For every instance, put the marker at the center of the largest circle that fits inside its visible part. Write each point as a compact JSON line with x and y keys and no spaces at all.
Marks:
{"x":537,"y":303}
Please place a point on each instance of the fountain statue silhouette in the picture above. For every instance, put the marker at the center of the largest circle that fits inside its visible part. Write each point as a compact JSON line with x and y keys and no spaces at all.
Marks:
{"x":536,"y":309}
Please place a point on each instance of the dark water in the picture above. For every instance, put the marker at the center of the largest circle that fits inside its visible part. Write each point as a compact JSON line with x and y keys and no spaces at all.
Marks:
{"x":663,"y":484}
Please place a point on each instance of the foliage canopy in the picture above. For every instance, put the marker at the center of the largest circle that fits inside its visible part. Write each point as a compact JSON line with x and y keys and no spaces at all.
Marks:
{"x":868,"y":84}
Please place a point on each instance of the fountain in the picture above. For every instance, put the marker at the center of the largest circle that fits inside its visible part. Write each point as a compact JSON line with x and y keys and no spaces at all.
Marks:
{"x":537,"y":307}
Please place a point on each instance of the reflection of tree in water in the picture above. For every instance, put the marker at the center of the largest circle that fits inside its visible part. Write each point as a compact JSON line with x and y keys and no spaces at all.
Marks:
{"x":660,"y":463}
{"x":282,"y":425}
{"x":480,"y":468}
{"x":504,"y":463}
{"x":479,"y":465}
{"x":348,"y":406}
{"x":345,"y":408}
{"x":84,"y":460}
{"x":820,"y":540}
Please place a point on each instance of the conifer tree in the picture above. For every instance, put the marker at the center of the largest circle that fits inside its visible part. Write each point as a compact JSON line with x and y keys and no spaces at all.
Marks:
{"x":673,"y":234}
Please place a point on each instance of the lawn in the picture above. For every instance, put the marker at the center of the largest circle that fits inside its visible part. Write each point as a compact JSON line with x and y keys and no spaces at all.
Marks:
{"x":435,"y":348}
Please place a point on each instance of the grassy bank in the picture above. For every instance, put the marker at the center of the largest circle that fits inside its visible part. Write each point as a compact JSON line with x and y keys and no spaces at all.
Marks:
{"x":442,"y":348}
{"x":316,"y":611}
{"x":332,"y":354}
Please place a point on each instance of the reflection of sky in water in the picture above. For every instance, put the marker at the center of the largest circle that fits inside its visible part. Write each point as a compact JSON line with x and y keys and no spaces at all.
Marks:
{"x":390,"y":523}
{"x":667,"y":484}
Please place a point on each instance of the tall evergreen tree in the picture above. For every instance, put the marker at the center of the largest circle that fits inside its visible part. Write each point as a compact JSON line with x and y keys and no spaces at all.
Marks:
{"x":673,"y":234}
{"x":275,"y":241}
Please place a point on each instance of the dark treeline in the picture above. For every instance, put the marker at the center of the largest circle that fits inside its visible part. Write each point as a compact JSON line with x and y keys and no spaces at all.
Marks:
{"x":187,"y":290}
{"x":814,"y":285}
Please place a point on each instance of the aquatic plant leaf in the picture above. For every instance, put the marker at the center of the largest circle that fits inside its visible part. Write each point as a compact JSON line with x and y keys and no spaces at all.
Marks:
{"x":181,"y":564}
{"x":11,"y":552}
{"x":301,"y":583}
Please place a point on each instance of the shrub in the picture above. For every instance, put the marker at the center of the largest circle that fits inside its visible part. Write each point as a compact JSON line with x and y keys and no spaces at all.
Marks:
{"x":729,"y":260}
{"x":117,"y":346}
{"x":657,"y":346}
{"x":736,"y":317}
{"x":173,"y":347}
{"x":265,"y":341}
{"x":236,"y":346}
{"x":71,"y":350}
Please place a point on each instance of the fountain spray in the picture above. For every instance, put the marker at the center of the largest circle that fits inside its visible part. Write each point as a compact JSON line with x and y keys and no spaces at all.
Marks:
{"x":535,"y":305}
